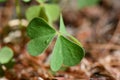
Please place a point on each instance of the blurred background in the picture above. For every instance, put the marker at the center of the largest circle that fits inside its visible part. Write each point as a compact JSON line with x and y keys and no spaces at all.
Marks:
{"x":95,"y":23}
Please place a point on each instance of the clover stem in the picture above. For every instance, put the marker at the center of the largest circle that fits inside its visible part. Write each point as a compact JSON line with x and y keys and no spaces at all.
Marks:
{"x":58,"y":33}
{"x":18,"y":11}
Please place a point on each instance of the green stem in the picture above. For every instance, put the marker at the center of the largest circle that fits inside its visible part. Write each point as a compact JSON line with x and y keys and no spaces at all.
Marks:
{"x":18,"y":11}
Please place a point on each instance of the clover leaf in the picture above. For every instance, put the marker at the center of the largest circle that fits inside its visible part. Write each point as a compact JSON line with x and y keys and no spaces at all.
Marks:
{"x":49,"y":12}
{"x":30,"y":14}
{"x":5,"y":55}
{"x":62,"y":26}
{"x":57,"y":57}
{"x":52,"y":12}
{"x":67,"y":50}
{"x":41,"y":34}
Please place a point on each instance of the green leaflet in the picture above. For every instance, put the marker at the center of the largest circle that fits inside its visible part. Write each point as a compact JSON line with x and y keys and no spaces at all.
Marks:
{"x":49,"y":12}
{"x":5,"y":55}
{"x":33,"y":12}
{"x":52,"y":12}
{"x":62,"y":26}
{"x":74,"y":40}
{"x":38,"y":28}
{"x":57,"y":57}
{"x":72,"y":52}
{"x":38,"y":45}
{"x":41,"y":34}
{"x":43,"y":14}
{"x":39,"y":11}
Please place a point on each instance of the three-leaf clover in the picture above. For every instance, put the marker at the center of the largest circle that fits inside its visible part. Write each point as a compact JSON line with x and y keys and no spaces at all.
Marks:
{"x":67,"y":50}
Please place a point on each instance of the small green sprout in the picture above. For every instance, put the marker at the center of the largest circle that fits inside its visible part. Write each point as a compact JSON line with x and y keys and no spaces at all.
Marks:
{"x":6,"y":60}
{"x":6,"y":55}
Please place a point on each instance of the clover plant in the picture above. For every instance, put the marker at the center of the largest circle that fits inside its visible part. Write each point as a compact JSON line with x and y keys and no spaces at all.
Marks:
{"x":6,"y":60}
{"x":49,"y":12}
{"x":67,"y":50}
